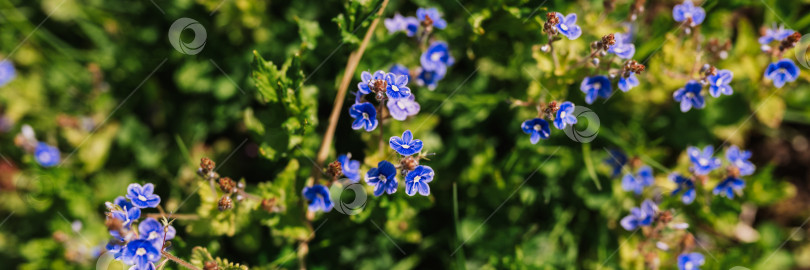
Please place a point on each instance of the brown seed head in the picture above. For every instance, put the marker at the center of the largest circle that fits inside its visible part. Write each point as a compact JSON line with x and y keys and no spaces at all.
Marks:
{"x":225,"y":203}
{"x":226,"y":184}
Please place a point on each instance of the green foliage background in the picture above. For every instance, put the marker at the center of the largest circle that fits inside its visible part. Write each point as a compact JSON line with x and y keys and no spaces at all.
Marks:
{"x":257,"y":99}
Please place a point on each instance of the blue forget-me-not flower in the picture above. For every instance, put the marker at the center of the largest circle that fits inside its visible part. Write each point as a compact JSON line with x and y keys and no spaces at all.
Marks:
{"x":418,"y":179}
{"x":720,"y":83}
{"x":365,"y":116}
{"x":141,"y":196}
{"x":782,"y":72}
{"x":350,"y":168}
{"x":595,"y":86}
{"x":688,"y":11}
{"x":568,"y":26}
{"x":564,"y":115}
{"x":406,"y":145}
{"x":690,"y":261}
{"x":703,"y":162}
{"x":689,"y":96}
{"x":640,"y":216}
{"x":739,"y":158}
{"x":538,"y":128}
{"x":383,"y":178}
{"x":687,"y":185}
{"x":638,"y":182}
{"x":318,"y":197}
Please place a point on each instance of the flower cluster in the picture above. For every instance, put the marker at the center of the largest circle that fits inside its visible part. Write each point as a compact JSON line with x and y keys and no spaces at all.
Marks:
{"x":562,"y":115}
{"x":692,"y":96}
{"x":384,"y":177}
{"x":688,"y":14}
{"x":601,"y":86}
{"x":436,"y":58}
{"x":140,"y":246}
{"x":703,"y":163}
{"x":45,"y":154}
{"x":783,"y":70}
{"x":384,"y":86}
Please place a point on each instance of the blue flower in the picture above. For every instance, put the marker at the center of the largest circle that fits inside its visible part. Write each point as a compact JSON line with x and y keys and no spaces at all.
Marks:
{"x":149,"y":266}
{"x":640,"y":216}
{"x":124,"y":211}
{"x":318,"y":197}
{"x":406,"y":145}
{"x":365,"y":116}
{"x":625,"y":84}
{"x":595,"y":86}
{"x":437,"y":57}
{"x":684,"y":184}
{"x":399,"y":23}
{"x":775,"y":34}
{"x":397,"y":86}
{"x":616,"y":159}
{"x":564,"y":116}
{"x":623,"y":48}
{"x":429,"y":78}
{"x":433,"y":14}
{"x":140,"y":253}
{"x":115,"y":246}
{"x":46,"y":155}
{"x":399,"y":69}
{"x":739,"y":158}
{"x":141,"y":196}
{"x":364,"y":87}
{"x":687,"y":10}
{"x":689,"y":96}
{"x":7,"y":72}
{"x":702,"y":161}
{"x":568,"y":26}
{"x":351,"y":168}
{"x":720,"y":83}
{"x":782,"y":72}
{"x":151,"y":230}
{"x":417,"y":180}
{"x":400,"y":109}
{"x":690,"y":261}
{"x":538,"y":128}
{"x":383,"y":178}
{"x":637,"y":183}
{"x":728,"y":186}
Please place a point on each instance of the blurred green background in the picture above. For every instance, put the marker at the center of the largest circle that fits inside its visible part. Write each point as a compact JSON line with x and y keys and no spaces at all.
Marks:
{"x":101,"y":81}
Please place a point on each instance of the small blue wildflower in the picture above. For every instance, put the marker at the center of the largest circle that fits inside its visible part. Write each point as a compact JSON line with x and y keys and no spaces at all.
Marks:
{"x":640,"y":216}
{"x":624,"y":48}
{"x":782,"y":72}
{"x":400,"y":109}
{"x":564,"y":116}
{"x":399,"y":23}
{"x":397,"y":86}
{"x":383,"y":178}
{"x":625,"y":84}
{"x":690,"y":261}
{"x":739,"y":158}
{"x":350,"y":168}
{"x":399,"y":69}
{"x":150,"y":266}
{"x":7,"y":72}
{"x":406,"y":145}
{"x":124,"y":211}
{"x":364,"y":87}
{"x":431,"y":15}
{"x":720,"y":83}
{"x":702,"y":161}
{"x":429,"y":78}
{"x":115,"y":247}
{"x":689,"y":96}
{"x":688,"y":11}
{"x":728,"y":187}
{"x":538,"y":128}
{"x":46,"y":155}
{"x":568,"y":26}
{"x":775,"y":34}
{"x":437,"y":57}
{"x":616,"y":159}
{"x":365,"y":116}
{"x":141,"y":196}
{"x":595,"y":86}
{"x":140,"y":253}
{"x":318,"y":197}
{"x":637,"y":183}
{"x":684,"y":184}
{"x":417,"y":180}
{"x":151,"y":230}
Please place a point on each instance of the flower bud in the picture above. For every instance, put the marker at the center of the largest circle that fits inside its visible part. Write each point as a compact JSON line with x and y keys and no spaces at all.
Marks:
{"x":226,"y":184}
{"x":225,"y":203}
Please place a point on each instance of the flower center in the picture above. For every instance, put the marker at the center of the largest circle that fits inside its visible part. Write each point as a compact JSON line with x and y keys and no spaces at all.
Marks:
{"x":782,"y":70}
{"x":141,"y":197}
{"x":435,"y":56}
{"x":400,"y":105}
{"x":140,"y":252}
{"x":690,"y":95}
{"x":365,"y":116}
{"x":153,"y":235}
{"x":689,"y":266}
{"x":44,"y":158}
{"x":703,"y":162}
{"x":417,"y":178}
{"x":383,"y":178}
{"x":395,"y":88}
{"x":597,"y":86}
{"x":406,"y":146}
{"x":563,"y":27}
{"x":538,"y":127}
{"x":719,"y":81}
